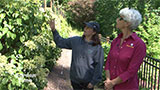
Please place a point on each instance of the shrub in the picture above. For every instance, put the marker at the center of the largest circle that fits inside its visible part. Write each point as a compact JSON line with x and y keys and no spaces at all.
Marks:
{"x":149,"y":32}
{"x":80,"y":11}
{"x":26,"y":45}
{"x":14,"y":77}
{"x":107,"y":12}
{"x":27,"y":49}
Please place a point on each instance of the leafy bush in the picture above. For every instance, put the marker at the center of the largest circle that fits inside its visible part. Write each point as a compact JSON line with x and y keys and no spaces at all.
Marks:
{"x":80,"y":11}
{"x":107,"y":12}
{"x":19,"y":21}
{"x":149,"y":32}
{"x":27,"y":48}
{"x":26,"y":45}
{"x":13,"y":77}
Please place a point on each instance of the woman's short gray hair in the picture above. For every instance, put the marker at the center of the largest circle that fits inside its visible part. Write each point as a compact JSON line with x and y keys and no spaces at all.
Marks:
{"x":131,"y":15}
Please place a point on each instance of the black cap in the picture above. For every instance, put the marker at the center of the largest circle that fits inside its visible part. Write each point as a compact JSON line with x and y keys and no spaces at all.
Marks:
{"x":93,"y":25}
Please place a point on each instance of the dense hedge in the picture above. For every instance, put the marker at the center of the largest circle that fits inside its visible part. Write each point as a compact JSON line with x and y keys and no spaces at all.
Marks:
{"x":27,"y":49}
{"x":149,"y":32}
{"x":80,"y":11}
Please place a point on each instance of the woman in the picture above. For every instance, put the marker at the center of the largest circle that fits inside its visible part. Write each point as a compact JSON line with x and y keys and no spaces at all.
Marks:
{"x":87,"y":56}
{"x":126,"y":53}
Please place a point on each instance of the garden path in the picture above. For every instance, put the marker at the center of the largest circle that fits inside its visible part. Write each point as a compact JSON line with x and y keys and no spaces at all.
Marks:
{"x":58,"y":79}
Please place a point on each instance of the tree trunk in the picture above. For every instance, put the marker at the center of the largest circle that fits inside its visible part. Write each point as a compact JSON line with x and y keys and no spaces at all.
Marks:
{"x":51,"y":3}
{"x":44,"y":4}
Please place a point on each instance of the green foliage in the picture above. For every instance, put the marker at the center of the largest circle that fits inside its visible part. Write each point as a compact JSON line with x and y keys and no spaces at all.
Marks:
{"x":12,"y":77}
{"x":26,"y":45}
{"x":19,"y":23}
{"x":149,"y":32}
{"x":107,"y":12}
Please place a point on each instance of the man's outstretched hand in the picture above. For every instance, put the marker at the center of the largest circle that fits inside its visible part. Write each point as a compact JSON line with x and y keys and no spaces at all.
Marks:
{"x":52,"y":24}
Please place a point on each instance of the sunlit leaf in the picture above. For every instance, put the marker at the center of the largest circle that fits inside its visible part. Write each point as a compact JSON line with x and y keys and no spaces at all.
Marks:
{"x":25,"y":17}
{"x":16,"y":14}
{"x":12,"y":35}
{"x":5,"y":30}
{"x":1,"y":46}
{"x":22,"y":38}
{"x":2,"y":15}
{"x":19,"y":21}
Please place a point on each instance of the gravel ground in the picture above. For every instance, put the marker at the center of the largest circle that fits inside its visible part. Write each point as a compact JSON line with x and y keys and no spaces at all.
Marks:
{"x":58,"y":79}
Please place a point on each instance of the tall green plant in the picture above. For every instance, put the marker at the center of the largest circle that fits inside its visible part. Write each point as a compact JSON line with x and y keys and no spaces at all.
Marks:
{"x":149,"y":32}
{"x":19,"y":23}
{"x":26,"y":42}
{"x":107,"y":11}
